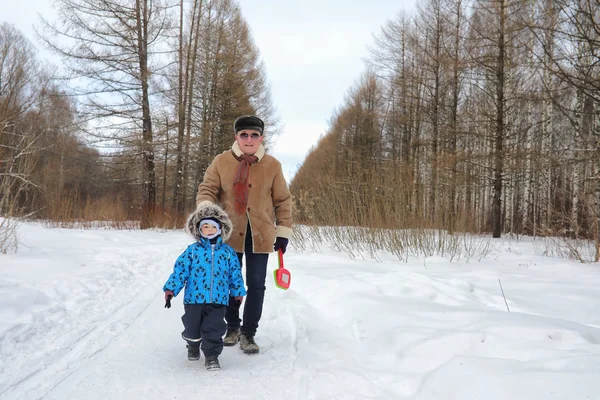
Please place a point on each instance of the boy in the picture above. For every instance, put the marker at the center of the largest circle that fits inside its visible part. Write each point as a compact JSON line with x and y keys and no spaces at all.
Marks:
{"x":210,"y":271}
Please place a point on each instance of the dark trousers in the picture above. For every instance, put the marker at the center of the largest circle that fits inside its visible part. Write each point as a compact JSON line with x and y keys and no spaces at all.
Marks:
{"x":204,"y":327}
{"x":256,"y":272}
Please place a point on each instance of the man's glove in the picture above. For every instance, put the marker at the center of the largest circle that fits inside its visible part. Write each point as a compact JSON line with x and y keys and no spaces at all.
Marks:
{"x":280,"y":243}
{"x":168,"y":297}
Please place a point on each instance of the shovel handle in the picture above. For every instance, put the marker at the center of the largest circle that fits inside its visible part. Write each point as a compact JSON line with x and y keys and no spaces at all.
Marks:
{"x":280,"y":254}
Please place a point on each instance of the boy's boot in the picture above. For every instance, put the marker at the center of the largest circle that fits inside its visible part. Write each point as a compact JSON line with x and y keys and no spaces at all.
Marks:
{"x":212,"y":363}
{"x":193,"y":353}
{"x":247,"y":344}
{"x":232,"y":336}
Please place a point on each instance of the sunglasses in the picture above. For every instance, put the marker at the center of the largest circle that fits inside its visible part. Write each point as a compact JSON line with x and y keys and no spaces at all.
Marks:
{"x":245,"y":136}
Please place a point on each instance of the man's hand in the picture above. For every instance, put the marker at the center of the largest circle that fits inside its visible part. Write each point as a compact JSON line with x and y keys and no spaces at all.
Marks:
{"x":280,"y":243}
{"x":239,"y":299}
{"x":168,"y":296}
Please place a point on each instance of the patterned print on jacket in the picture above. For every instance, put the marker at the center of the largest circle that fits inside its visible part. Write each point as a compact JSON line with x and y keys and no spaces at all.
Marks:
{"x":209,"y":274}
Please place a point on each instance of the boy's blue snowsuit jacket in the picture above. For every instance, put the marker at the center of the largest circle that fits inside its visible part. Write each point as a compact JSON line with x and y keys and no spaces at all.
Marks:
{"x":209,"y":274}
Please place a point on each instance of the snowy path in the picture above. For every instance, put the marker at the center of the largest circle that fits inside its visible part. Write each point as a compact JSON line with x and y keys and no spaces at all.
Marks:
{"x":83,"y":318}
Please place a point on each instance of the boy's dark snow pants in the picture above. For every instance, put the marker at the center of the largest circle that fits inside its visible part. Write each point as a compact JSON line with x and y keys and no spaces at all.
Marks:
{"x":256,"y":273}
{"x":204,"y":327}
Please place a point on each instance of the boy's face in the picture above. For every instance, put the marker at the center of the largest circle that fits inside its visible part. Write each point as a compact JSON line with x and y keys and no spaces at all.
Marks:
{"x":208,"y":229}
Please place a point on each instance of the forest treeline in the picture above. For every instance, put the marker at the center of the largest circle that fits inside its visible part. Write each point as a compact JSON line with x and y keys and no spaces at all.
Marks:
{"x":144,"y":96}
{"x":477,"y":116}
{"x":471,"y":116}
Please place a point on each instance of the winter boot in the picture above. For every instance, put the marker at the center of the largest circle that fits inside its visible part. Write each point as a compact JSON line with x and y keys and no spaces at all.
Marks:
{"x":232,"y":337}
{"x":247,"y":344}
{"x":193,"y":353}
{"x":212,"y":363}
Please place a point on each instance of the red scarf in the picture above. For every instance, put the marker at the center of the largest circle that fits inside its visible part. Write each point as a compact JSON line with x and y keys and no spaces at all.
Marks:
{"x":240,"y":183}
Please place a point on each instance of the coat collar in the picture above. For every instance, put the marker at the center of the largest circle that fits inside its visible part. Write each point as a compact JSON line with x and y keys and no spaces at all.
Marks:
{"x":260,"y":153}
{"x":205,"y":242}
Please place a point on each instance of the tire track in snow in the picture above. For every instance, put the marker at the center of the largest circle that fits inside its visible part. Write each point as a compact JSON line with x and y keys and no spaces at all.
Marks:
{"x":44,"y":378}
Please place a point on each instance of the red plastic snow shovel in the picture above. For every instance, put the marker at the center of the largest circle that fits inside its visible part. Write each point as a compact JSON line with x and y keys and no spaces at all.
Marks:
{"x":283,"y":277}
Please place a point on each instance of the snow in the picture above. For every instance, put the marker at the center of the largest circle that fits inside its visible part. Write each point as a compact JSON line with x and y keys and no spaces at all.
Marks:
{"x":82,"y":317}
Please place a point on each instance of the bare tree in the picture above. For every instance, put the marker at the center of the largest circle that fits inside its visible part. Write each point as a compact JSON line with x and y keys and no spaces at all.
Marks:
{"x":455,"y":52}
{"x":111,"y":49}
{"x":188,"y":51}
{"x":21,"y":82}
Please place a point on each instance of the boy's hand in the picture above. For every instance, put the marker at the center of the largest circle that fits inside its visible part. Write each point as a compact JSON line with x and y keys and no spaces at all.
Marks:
{"x":239,"y":298}
{"x":168,"y":296}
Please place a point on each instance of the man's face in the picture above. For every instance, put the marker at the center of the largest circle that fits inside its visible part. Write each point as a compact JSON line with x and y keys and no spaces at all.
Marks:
{"x":248,"y":140}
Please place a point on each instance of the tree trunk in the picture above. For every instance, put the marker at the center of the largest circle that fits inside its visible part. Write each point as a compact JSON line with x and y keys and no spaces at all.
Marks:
{"x":178,"y":186}
{"x":190,"y":95}
{"x":454,"y":119}
{"x":164,"y":191}
{"x":149,"y":183}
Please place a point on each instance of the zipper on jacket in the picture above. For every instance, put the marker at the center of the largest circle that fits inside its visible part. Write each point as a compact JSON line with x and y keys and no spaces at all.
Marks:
{"x":212,"y":270}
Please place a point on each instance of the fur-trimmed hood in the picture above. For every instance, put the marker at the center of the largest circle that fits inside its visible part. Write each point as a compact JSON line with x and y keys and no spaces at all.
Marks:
{"x":205,"y":211}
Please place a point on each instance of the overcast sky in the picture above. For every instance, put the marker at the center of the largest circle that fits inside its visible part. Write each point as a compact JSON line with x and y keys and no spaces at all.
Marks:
{"x":313,"y":51}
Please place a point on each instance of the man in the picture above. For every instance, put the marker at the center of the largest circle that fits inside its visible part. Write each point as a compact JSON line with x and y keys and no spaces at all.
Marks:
{"x":250,"y":187}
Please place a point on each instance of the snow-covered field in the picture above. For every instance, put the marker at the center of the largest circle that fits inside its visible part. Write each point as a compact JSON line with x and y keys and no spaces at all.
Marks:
{"x":82,"y":317}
